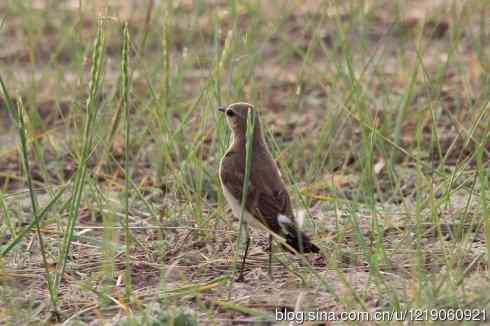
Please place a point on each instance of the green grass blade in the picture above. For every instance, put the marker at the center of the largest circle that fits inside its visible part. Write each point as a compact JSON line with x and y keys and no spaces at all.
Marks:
{"x":87,"y":142}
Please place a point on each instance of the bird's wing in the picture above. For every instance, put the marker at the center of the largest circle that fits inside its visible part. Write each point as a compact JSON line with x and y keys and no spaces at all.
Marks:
{"x":266,"y":200}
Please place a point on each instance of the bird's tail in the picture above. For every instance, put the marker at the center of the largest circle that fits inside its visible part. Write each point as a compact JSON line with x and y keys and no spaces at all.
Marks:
{"x":297,"y":239}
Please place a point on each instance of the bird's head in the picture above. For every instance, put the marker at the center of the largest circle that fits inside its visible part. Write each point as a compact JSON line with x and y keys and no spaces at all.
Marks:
{"x":237,"y":115}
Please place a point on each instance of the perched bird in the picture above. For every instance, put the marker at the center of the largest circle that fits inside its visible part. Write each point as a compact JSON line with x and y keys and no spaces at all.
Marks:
{"x":267,"y":203}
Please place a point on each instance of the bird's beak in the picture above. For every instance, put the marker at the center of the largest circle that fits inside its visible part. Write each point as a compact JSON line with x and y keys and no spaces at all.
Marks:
{"x":222,"y":109}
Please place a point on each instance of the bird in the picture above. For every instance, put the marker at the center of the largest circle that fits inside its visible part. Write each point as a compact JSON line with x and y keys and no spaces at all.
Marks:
{"x":267,"y":203}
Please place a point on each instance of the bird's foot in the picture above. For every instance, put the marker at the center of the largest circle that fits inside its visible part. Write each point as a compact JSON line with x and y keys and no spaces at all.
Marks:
{"x":319,"y":261}
{"x":240,"y":278}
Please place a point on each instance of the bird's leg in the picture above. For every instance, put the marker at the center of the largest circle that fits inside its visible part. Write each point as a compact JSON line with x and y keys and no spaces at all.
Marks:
{"x":242,"y":267}
{"x":270,"y":256}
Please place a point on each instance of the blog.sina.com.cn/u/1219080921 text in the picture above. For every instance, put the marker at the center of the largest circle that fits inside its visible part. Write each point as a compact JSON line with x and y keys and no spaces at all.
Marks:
{"x":394,"y":315}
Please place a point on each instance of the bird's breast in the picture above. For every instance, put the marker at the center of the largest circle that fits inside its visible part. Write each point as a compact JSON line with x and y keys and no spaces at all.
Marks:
{"x":236,"y":208}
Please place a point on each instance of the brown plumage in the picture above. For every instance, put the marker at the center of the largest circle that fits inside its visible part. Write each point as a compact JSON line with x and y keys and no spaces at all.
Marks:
{"x":267,"y":203}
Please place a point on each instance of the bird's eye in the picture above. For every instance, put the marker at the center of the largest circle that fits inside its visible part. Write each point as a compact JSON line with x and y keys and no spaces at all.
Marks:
{"x":230,"y":113}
